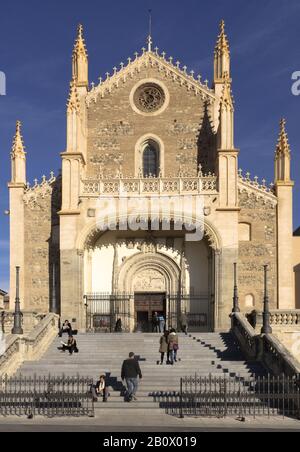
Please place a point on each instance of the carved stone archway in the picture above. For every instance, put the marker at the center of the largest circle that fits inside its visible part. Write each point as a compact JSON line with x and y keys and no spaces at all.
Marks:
{"x":162,"y":268}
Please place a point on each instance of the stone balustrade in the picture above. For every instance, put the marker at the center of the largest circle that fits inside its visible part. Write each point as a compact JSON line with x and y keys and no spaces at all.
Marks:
{"x":30,"y":321}
{"x":263,"y":348}
{"x":149,"y":186}
{"x":18,"y":349}
{"x":279,"y":319}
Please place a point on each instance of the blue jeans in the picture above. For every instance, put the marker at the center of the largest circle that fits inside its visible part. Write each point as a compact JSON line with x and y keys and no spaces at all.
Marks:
{"x":173,"y":355}
{"x":132,"y":387}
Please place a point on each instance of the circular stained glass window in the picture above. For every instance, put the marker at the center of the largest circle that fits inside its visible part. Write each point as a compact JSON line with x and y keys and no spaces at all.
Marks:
{"x":149,"y":98}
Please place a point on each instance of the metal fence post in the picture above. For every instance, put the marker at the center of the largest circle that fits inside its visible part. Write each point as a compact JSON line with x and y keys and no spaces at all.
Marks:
{"x":181,"y":399}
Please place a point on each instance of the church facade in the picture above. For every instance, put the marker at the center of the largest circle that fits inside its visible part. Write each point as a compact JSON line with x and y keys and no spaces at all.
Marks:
{"x":155,"y":139}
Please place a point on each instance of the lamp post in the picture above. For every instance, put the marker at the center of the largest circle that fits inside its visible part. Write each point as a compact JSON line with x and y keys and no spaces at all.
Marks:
{"x":236,"y":307}
{"x":85,"y":298}
{"x":53,"y":306}
{"x":17,"y":329}
{"x":266,"y":329}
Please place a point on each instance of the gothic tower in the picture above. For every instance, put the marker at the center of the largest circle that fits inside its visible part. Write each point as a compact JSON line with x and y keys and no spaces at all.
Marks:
{"x":284,"y":191}
{"x":17,"y":187}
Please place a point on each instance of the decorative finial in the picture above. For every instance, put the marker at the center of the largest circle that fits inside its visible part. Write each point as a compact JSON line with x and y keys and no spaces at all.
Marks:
{"x":80,"y":47}
{"x":283,"y":146}
{"x":18,"y":145}
{"x":222,"y":42}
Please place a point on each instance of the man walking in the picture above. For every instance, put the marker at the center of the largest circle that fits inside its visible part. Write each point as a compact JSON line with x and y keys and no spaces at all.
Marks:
{"x":130,"y":372}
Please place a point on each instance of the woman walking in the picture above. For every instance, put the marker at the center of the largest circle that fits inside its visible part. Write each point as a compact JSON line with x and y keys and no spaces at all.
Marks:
{"x":164,"y":347}
{"x":173,"y":346}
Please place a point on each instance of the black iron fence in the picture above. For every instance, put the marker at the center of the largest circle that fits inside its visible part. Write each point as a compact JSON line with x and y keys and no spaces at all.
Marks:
{"x":46,"y":396}
{"x":235,"y":396}
{"x":103,"y":310}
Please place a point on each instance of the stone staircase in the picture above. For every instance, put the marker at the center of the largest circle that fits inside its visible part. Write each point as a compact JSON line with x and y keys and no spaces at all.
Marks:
{"x":202,"y":353}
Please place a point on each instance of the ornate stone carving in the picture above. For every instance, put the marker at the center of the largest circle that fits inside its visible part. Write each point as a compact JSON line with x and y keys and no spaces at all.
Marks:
{"x":149,"y":98}
{"x":149,"y":280}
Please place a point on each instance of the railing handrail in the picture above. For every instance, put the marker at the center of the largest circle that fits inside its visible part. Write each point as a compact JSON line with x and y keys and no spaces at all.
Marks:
{"x":137,"y":186}
{"x":264,"y":348}
{"x":25,"y":346}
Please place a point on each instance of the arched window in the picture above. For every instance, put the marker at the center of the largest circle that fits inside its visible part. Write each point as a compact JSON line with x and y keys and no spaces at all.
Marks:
{"x":150,"y":160}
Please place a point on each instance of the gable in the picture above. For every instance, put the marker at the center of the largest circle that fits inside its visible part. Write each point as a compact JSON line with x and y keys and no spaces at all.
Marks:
{"x":182,"y":124}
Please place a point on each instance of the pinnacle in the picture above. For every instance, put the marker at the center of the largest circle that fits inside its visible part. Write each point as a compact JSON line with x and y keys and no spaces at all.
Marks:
{"x":18,"y":145}
{"x":283,"y":146}
{"x":80,"y":47}
{"x":222,"y":42}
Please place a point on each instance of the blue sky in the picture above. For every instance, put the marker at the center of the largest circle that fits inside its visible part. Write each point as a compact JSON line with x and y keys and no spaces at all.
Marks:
{"x":36,"y":41}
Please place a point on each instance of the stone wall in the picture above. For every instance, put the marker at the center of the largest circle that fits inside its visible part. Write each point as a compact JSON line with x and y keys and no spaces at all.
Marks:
{"x":260,"y":250}
{"x":296,"y":263}
{"x":42,"y":204}
{"x":184,"y":127}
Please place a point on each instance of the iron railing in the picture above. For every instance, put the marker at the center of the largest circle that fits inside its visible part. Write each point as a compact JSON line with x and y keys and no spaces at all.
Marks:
{"x":220,"y":397}
{"x":46,"y":396}
{"x":104,"y":309}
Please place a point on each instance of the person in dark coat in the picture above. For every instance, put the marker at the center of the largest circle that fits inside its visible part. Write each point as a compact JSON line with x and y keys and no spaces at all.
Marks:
{"x":130,"y":372}
{"x":118,"y":328}
{"x":155,"y":323}
{"x":184,"y":323}
{"x":66,"y":328}
{"x":71,"y":346}
{"x":164,"y":347}
{"x":100,"y":389}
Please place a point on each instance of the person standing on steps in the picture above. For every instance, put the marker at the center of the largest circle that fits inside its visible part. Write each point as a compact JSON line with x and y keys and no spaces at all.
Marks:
{"x":164,"y":347}
{"x":184,"y":323}
{"x":130,"y":372}
{"x":155,"y":323}
{"x":162,"y":323}
{"x":173,"y":342}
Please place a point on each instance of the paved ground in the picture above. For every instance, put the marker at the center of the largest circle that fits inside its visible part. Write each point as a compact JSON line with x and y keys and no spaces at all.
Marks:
{"x":146,"y":423}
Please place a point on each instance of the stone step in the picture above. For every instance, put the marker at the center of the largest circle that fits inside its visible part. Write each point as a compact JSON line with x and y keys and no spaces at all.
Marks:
{"x":202,"y":354}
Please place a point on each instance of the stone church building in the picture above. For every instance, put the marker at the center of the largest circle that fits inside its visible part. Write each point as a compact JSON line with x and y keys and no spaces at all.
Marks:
{"x":150,"y":131}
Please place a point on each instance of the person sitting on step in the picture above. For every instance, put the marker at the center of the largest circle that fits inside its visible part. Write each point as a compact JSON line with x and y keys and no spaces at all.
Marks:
{"x":100,"y":389}
{"x":71,"y":346}
{"x":66,"y":328}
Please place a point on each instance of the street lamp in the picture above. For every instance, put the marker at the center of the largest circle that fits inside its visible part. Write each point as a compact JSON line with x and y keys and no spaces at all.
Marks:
{"x":17,"y":329}
{"x":236,"y":307}
{"x":266,"y":329}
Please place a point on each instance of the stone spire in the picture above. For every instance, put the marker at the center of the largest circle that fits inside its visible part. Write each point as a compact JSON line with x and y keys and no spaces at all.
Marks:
{"x":222,"y":55}
{"x":80,"y":60}
{"x":18,"y":157}
{"x":283,"y":156}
